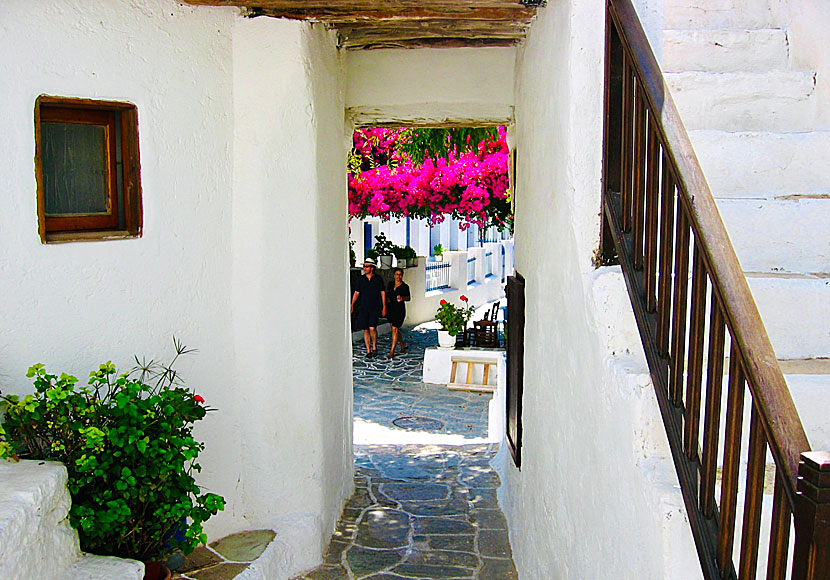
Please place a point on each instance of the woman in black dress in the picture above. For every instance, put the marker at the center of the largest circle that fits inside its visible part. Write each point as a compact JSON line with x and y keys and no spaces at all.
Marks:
{"x":397,"y":294}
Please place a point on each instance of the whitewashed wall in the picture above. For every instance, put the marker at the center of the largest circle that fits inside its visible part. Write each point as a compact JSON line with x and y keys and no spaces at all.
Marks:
{"x":241,"y":125}
{"x":593,"y":498}
{"x":430,"y":85}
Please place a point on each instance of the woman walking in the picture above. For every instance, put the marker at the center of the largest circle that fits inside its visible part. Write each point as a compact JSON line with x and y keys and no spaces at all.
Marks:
{"x":397,"y":294}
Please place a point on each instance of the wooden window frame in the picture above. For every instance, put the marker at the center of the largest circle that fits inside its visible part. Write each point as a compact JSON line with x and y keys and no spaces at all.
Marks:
{"x":95,"y":226}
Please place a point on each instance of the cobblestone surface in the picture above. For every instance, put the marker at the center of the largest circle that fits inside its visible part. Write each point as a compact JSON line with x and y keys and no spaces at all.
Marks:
{"x":419,"y":512}
{"x":386,"y":390}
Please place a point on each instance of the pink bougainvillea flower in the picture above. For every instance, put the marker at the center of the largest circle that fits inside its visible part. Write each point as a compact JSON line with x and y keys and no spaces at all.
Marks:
{"x":199,"y":399}
{"x":443,"y":302}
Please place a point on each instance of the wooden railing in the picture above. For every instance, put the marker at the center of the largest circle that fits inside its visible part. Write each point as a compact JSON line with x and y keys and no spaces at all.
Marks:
{"x":691,"y":300}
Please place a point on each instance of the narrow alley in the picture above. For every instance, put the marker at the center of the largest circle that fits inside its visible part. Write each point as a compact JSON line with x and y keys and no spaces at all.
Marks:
{"x":425,"y":504}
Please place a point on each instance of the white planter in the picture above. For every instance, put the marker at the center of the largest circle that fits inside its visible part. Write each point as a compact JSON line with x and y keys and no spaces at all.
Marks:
{"x":385,"y":261}
{"x":439,"y":258}
{"x":445,"y":340}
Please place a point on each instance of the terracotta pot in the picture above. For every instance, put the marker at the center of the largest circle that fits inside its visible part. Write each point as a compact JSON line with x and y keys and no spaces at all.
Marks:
{"x":156,"y":571}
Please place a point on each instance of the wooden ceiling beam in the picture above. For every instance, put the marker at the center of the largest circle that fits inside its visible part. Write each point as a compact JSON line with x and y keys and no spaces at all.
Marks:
{"x":336,"y":17}
{"x":393,"y":43}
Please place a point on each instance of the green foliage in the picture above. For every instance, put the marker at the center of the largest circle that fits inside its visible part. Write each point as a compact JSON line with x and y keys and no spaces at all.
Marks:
{"x":454,"y":318}
{"x":372,"y":253}
{"x":126,"y":441}
{"x":440,"y":143}
{"x":383,"y":245}
{"x":438,"y":250}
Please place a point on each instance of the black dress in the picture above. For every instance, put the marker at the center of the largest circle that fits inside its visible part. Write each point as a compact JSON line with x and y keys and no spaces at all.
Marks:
{"x":396,"y":311}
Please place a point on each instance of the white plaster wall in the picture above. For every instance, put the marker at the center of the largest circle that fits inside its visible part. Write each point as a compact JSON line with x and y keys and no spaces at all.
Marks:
{"x":809,"y":48}
{"x":242,"y":155}
{"x":73,"y":306}
{"x":430,"y":85}
{"x":590,"y":426}
{"x":290,"y":283}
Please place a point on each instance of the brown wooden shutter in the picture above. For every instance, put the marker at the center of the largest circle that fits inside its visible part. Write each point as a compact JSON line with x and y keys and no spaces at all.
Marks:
{"x":515,"y":363}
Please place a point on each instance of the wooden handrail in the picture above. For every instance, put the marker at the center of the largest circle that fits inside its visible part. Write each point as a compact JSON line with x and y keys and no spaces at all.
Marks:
{"x":661,"y":222}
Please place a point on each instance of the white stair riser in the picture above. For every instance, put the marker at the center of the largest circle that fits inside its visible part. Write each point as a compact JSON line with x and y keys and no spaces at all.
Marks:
{"x":739,"y":101}
{"x":711,"y":14}
{"x":811,"y":394}
{"x":796,"y":314}
{"x":778,"y":234}
{"x":757,"y":164}
{"x":725,"y":50}
{"x":34,"y":532}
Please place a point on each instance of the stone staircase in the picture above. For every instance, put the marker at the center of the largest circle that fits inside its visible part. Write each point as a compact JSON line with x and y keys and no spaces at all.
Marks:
{"x":36,"y":540}
{"x":752,"y":117}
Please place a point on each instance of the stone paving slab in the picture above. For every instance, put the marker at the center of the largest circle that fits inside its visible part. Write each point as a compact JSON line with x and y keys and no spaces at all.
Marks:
{"x":420,"y":512}
{"x":225,"y":558}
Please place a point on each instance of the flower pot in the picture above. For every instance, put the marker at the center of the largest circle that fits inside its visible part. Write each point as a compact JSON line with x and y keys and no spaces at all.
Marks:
{"x":385,"y":261}
{"x":439,"y":258}
{"x":445,"y":340}
{"x":412,"y":262}
{"x":156,"y":571}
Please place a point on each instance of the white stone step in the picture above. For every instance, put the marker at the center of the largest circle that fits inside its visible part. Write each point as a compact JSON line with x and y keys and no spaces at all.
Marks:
{"x":759,"y":164}
{"x":104,"y":568}
{"x":711,"y":14}
{"x":34,"y":531}
{"x":745,"y":101}
{"x":779,"y":234}
{"x":811,"y":394}
{"x":796,"y":313}
{"x":725,"y":50}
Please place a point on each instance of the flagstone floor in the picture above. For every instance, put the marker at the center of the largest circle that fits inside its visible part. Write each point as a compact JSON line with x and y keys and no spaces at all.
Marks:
{"x":422,"y":509}
{"x":425,"y":502}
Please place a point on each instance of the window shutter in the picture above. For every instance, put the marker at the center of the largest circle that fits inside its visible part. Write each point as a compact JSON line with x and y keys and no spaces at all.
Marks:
{"x":515,"y":363}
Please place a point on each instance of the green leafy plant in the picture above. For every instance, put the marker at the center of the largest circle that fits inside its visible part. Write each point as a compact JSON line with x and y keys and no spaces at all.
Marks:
{"x":372,"y":253}
{"x":438,"y":250}
{"x":454,"y":318}
{"x":352,"y":255}
{"x":409,"y":253}
{"x":383,"y":245}
{"x":126,"y":441}
{"x":437,"y":143}
{"x":399,"y":252}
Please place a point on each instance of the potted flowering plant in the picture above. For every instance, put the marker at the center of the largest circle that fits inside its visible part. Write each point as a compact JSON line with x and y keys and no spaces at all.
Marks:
{"x":384,"y":247}
{"x":126,"y":441}
{"x":453,"y":320}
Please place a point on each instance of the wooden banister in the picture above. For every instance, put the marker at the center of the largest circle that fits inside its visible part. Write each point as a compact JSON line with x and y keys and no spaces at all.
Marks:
{"x":661,"y":222}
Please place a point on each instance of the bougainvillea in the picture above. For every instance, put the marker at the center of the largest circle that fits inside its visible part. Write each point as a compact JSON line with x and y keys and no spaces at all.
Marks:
{"x":472,"y":186}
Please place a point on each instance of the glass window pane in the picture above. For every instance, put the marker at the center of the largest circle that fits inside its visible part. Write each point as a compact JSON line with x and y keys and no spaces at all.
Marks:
{"x":75,"y":173}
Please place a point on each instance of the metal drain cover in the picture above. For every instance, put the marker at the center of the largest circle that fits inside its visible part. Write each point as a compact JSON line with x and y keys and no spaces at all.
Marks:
{"x":418,"y":423}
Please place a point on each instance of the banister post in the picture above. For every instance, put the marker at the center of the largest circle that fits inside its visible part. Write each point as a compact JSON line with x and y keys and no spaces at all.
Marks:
{"x":811,"y":558}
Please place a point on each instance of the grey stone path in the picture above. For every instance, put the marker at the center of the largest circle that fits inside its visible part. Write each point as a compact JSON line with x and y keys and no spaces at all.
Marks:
{"x":419,"y":512}
{"x":388,"y":390}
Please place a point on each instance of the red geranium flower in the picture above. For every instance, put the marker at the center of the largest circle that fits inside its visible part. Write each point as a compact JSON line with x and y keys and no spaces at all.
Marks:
{"x":443,"y":302}
{"x":199,"y":399}
{"x":463,"y":298}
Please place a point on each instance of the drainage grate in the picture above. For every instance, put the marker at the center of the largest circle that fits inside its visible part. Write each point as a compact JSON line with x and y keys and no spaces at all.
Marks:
{"x":418,"y":423}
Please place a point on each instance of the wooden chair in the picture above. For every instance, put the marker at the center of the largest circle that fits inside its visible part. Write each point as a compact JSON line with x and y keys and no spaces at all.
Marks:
{"x":485,"y":332}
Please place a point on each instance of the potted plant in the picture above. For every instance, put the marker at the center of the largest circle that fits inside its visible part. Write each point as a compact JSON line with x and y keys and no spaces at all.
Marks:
{"x":400,"y":254}
{"x":410,"y":256}
{"x":126,"y":441}
{"x":352,"y":256}
{"x":372,"y":253}
{"x":384,"y":248}
{"x":453,"y":320}
{"x":438,"y":252}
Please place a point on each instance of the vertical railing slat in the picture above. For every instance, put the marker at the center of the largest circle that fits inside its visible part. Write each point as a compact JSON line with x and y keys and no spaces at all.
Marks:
{"x":626,"y":152}
{"x":666,"y":251}
{"x":711,"y":423}
{"x":652,"y":206}
{"x":638,"y":192}
{"x":779,"y":538}
{"x":731,"y":459}
{"x":753,"y":498}
{"x":696,"y":339}
{"x":679,"y":305}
